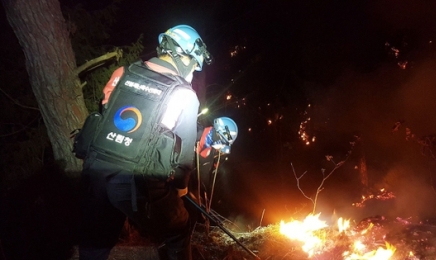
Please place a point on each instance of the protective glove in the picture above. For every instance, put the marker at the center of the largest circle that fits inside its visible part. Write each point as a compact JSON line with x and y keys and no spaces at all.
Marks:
{"x":182,"y":192}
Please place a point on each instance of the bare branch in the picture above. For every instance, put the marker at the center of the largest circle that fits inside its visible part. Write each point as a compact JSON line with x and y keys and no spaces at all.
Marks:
{"x":18,"y":103}
{"x":94,"y":63}
{"x":298,"y":183}
{"x":22,"y":129}
{"x":325,"y":177}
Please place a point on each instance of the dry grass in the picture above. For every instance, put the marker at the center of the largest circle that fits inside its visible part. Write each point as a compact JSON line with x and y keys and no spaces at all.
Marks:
{"x":412,"y":241}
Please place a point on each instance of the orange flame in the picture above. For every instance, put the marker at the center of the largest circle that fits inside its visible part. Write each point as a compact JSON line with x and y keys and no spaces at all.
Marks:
{"x":379,"y":254}
{"x":343,"y":225}
{"x":309,"y":231}
{"x":304,"y":231}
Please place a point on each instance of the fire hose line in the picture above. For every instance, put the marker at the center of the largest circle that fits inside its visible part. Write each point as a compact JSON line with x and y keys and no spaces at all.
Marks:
{"x":198,"y":173}
{"x":214,"y":179}
{"x":210,"y":217}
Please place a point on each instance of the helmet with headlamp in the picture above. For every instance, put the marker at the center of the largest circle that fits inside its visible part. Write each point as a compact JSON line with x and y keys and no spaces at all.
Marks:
{"x":183,"y":40}
{"x":227,"y":131}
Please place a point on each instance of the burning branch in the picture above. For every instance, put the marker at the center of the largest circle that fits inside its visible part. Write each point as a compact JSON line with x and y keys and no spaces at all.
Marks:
{"x":382,"y":194}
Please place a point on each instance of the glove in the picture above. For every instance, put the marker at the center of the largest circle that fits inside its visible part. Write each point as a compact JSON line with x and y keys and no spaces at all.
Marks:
{"x":182,"y":192}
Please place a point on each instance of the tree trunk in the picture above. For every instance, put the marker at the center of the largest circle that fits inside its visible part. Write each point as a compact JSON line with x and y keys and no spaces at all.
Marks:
{"x":50,"y":63}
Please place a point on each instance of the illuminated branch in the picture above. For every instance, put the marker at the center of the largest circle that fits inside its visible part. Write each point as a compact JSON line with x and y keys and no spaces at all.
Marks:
{"x":325,"y":177}
{"x":94,"y":63}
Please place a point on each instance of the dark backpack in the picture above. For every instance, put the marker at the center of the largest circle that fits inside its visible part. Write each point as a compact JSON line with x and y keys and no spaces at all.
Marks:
{"x":83,"y":137}
{"x":129,"y":131}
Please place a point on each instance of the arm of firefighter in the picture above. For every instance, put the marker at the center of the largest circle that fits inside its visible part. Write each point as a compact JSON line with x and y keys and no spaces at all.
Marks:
{"x":186,"y":129}
{"x":110,"y":85}
{"x":205,"y":145}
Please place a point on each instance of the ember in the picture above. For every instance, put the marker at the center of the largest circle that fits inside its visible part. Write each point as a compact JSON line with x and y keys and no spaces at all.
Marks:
{"x":382,"y":194}
{"x":303,"y":132}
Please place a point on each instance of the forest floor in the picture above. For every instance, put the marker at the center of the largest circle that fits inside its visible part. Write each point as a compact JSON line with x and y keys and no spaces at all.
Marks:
{"x":38,"y":220}
{"x":407,"y":240}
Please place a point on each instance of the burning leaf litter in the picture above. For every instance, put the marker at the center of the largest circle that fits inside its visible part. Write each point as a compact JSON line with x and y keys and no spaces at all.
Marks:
{"x":382,"y":194}
{"x":374,"y":238}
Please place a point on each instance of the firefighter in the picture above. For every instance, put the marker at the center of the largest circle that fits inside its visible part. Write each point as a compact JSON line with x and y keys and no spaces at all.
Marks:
{"x":214,"y":143}
{"x":112,"y":188}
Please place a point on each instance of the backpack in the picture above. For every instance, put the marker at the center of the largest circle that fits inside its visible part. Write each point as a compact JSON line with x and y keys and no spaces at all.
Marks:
{"x":83,"y":137}
{"x":129,"y":132}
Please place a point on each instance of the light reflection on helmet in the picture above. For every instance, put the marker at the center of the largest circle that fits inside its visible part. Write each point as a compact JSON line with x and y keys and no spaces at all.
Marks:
{"x":226,"y":129}
{"x":225,"y":149}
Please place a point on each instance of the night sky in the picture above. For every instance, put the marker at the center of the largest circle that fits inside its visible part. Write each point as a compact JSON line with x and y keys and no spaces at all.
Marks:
{"x":361,"y":65}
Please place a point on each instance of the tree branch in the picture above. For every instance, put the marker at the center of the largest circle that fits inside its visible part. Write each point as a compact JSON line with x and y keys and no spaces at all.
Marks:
{"x":18,"y":103}
{"x":94,"y":63}
{"x":298,"y":183}
{"x":325,"y":177}
{"x":22,"y":129}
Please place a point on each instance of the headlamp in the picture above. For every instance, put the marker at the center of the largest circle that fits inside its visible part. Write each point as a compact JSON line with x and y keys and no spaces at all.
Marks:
{"x":203,"y":51}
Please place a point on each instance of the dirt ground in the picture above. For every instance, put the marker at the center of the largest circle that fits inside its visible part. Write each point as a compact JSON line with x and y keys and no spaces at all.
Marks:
{"x":127,"y":253}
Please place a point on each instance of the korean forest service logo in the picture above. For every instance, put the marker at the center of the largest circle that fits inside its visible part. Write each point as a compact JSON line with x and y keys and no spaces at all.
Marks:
{"x":128,"y":119}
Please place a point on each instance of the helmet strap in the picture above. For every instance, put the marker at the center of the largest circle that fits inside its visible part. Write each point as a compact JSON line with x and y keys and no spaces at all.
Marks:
{"x":168,"y":46}
{"x":183,"y":69}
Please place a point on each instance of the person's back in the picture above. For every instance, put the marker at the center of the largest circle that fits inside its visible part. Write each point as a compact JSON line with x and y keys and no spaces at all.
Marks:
{"x":127,"y":175}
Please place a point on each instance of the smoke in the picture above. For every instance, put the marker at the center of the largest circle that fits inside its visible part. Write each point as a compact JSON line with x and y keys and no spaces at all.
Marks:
{"x":413,"y":191}
{"x":369,"y":105}
{"x":417,"y":99}
{"x":377,"y":106}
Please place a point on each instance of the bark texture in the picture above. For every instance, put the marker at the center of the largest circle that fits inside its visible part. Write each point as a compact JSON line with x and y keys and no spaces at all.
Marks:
{"x":50,"y":63}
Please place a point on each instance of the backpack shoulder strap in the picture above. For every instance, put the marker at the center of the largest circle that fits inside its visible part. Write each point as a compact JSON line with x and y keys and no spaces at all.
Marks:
{"x":140,"y":69}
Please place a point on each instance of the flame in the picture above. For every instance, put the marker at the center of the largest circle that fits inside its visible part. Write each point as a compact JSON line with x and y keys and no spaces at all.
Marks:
{"x":310,"y":232}
{"x":343,"y":225}
{"x":370,"y":226}
{"x":379,"y":254}
{"x":305,"y":231}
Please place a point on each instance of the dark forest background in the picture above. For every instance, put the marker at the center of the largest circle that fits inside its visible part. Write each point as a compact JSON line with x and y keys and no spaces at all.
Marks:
{"x":357,"y":77}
